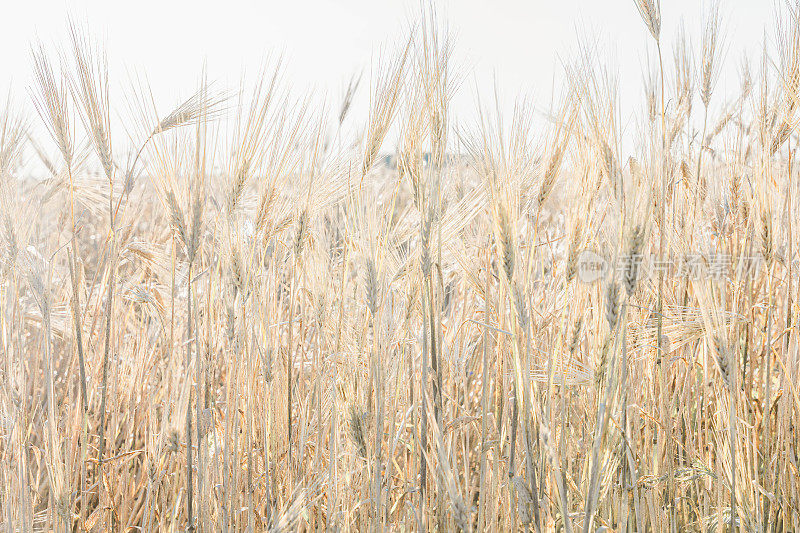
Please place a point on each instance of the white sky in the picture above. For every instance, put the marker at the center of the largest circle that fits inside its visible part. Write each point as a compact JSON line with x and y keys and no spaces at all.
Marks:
{"x":325,"y":41}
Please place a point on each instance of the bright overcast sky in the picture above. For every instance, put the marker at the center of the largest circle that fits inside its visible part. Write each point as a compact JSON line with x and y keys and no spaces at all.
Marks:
{"x":324,"y":42}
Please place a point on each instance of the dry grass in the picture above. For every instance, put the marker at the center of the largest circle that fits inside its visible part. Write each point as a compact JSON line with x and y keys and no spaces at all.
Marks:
{"x":253,"y":324}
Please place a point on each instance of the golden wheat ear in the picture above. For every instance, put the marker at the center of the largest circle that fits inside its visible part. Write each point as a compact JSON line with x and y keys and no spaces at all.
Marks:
{"x":52,"y":102}
{"x":204,"y":103}
{"x":89,"y":86}
{"x":650,"y":10}
{"x":13,"y":134}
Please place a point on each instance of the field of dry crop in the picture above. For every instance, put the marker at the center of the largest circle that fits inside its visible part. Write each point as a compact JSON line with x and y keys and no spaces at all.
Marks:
{"x":235,"y":316}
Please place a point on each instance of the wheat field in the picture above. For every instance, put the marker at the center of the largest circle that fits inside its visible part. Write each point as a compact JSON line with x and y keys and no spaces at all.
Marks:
{"x":236,"y":316}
